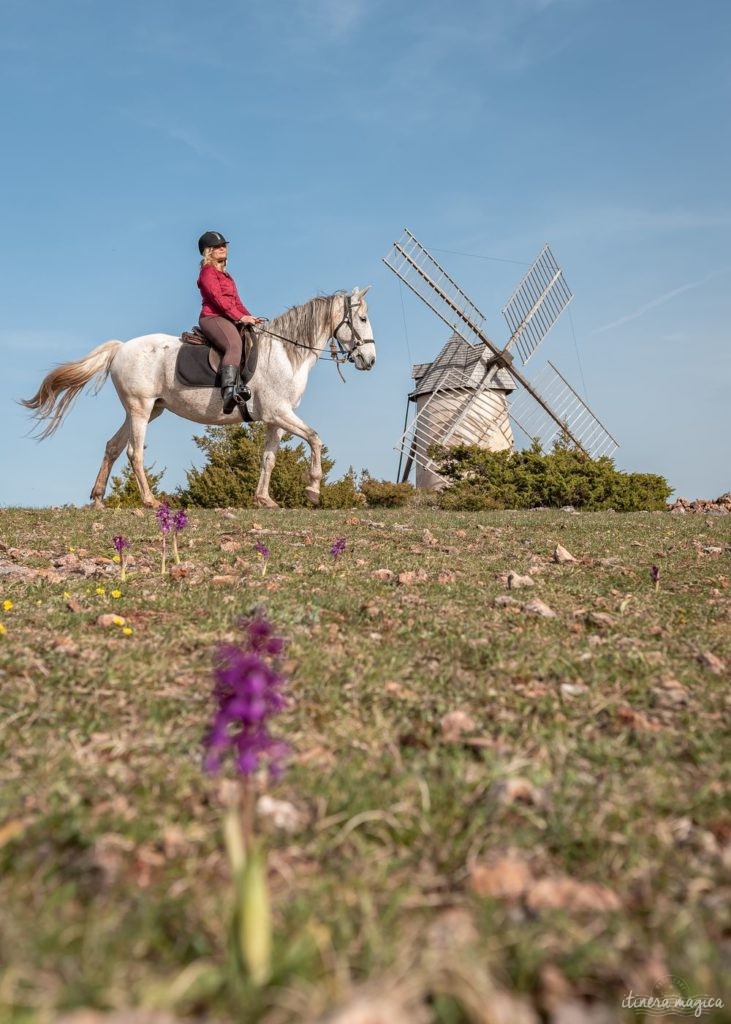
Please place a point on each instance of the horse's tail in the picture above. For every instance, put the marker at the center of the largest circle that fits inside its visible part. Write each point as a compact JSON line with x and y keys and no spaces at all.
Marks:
{"x":63,"y":384}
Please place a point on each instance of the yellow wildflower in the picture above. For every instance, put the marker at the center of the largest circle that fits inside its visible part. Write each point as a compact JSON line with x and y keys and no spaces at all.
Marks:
{"x":128,"y":631}
{"x":72,"y":550}
{"x":118,"y":620}
{"x":101,"y":591}
{"x":67,"y":594}
{"x":3,"y":630}
{"x":7,"y":605}
{"x":116,"y":593}
{"x":116,"y":559}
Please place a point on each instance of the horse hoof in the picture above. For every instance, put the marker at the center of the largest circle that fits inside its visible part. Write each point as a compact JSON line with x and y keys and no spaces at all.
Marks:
{"x":262,"y":502}
{"x":313,"y":495}
{"x":97,"y":504}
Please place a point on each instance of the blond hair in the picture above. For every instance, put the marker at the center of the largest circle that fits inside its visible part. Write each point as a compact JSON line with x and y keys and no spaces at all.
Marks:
{"x":208,"y":260}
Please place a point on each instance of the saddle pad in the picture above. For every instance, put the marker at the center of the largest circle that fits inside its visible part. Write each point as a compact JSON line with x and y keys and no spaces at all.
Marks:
{"x":193,"y":369}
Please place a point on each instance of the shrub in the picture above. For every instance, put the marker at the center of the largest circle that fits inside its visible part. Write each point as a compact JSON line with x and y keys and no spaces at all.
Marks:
{"x":126,"y":494}
{"x":385,"y":493}
{"x":343,"y":493}
{"x":233,"y":465}
{"x":533,"y":478}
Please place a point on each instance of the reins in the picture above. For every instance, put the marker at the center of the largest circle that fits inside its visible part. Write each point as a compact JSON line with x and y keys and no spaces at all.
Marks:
{"x":337,"y":357}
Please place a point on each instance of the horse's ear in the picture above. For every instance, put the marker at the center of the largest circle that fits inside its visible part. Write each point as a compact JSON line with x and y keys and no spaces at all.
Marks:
{"x":362,"y":291}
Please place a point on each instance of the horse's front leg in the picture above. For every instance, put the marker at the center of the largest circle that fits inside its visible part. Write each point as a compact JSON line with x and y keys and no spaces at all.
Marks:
{"x":271,"y":444}
{"x":294,"y":425}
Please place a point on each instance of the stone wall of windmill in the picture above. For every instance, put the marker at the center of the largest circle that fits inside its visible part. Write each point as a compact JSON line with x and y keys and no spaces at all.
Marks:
{"x":454,"y":407}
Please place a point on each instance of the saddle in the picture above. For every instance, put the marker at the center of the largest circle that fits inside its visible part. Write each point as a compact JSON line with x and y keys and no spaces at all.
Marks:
{"x":198,"y":363}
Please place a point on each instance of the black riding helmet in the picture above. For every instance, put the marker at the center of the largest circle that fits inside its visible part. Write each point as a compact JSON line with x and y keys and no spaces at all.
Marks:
{"x":210,"y":240}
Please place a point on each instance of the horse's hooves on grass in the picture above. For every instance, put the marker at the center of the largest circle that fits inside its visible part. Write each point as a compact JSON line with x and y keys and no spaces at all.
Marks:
{"x":97,"y":504}
{"x":313,"y":496}
{"x":265,"y":503}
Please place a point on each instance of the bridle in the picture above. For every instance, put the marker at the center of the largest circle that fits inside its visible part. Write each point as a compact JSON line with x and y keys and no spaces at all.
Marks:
{"x":338,"y":352}
{"x":348,"y":355}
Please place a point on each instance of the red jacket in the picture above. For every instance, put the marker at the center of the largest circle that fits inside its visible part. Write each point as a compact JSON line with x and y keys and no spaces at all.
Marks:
{"x":220,"y":295}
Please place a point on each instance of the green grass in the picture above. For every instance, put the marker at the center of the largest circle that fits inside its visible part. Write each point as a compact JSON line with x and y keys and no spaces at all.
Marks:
{"x":113,"y":880}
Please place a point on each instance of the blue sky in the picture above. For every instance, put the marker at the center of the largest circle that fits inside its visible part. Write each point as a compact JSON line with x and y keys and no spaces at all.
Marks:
{"x":310,"y":133}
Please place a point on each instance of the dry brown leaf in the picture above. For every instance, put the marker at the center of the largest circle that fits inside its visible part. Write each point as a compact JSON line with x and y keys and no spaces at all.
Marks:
{"x":455,"y":724}
{"x":11,"y":829}
{"x":636,"y":720}
{"x":507,"y":878}
{"x":564,"y":893}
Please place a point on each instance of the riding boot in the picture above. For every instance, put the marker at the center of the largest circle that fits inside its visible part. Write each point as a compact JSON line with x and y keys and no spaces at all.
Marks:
{"x":229,"y":378}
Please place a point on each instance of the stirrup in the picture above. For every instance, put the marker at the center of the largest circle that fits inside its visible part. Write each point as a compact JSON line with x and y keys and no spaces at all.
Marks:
{"x":242,"y":393}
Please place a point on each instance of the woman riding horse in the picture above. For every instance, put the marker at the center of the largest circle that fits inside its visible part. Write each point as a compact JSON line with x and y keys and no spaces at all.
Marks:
{"x":222,"y":314}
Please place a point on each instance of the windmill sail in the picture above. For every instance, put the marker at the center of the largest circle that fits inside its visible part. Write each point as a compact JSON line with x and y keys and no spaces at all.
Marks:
{"x":420,"y":272}
{"x":536,"y":304}
{"x":570,"y":415}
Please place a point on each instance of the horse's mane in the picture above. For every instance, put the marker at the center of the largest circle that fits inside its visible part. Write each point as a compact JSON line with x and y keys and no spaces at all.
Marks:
{"x":303,"y":324}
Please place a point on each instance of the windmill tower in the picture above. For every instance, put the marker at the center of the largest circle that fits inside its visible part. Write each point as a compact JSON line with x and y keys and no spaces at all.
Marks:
{"x":462,"y":397}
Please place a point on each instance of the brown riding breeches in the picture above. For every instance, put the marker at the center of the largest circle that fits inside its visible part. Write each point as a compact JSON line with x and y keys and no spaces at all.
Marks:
{"x":224,"y":335}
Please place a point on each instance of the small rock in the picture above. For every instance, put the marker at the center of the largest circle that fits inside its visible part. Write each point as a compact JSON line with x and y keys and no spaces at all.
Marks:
{"x":282,"y":814}
{"x":712,"y":662}
{"x":503,"y":600}
{"x":562,"y":556}
{"x":108,"y":619}
{"x":408,"y":578}
{"x":224,"y":581}
{"x":517,"y":582}
{"x":601,"y":619}
{"x":429,"y":538}
{"x":573,"y":689}
{"x":515,"y":790}
{"x":540,"y":608}
{"x":670,"y":693}
{"x":385,"y":575}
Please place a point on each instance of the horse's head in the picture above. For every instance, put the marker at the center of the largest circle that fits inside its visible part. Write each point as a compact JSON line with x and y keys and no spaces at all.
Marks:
{"x":354,"y":333}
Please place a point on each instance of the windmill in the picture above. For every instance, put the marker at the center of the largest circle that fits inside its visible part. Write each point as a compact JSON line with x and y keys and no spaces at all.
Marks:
{"x":463,"y":396}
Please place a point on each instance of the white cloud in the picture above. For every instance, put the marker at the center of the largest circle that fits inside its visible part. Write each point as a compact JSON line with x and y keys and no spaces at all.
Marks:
{"x":660,"y":301}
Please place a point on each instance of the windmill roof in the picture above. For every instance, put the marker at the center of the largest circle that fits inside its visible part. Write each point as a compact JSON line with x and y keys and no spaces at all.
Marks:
{"x":458,"y":356}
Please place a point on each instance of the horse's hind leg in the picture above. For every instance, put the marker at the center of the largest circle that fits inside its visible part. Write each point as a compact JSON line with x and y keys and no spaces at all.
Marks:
{"x":111,"y":453}
{"x":271,"y":443}
{"x":140,"y":415}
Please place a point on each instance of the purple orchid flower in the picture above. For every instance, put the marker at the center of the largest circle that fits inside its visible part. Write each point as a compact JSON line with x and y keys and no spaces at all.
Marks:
{"x":164,"y":518}
{"x":248,"y":691}
{"x":180,"y":520}
{"x":338,"y":548}
{"x":120,"y":543}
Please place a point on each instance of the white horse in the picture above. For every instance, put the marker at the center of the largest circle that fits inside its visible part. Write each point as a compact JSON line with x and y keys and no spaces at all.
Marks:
{"x":143,"y":372}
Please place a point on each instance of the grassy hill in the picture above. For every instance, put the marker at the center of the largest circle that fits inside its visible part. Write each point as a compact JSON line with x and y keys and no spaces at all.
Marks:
{"x":500,"y":816}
